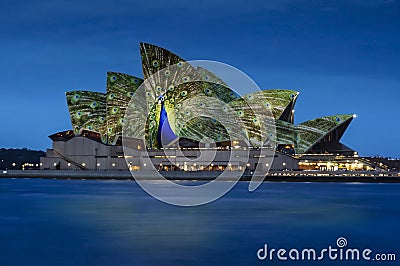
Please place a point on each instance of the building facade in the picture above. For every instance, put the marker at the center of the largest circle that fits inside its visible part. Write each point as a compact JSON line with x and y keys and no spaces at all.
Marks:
{"x":169,"y":94}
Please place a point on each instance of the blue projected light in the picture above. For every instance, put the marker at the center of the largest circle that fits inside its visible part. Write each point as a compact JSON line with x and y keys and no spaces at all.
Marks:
{"x":165,"y":132}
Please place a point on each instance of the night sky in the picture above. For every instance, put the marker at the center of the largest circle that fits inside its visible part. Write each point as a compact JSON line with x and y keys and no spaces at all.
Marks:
{"x":343,"y":57}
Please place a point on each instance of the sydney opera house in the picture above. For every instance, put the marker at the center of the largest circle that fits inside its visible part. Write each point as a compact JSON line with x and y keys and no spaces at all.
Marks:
{"x":159,"y":112}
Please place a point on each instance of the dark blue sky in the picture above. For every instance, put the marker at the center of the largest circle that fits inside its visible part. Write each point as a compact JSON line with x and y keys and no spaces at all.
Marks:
{"x":343,"y":56}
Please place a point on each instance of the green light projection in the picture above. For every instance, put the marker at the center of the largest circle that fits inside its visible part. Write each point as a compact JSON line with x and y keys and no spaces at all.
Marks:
{"x":120,"y":89}
{"x":87,"y":110}
{"x":185,"y":94}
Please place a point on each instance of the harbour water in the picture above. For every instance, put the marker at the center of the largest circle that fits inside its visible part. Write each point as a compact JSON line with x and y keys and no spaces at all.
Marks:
{"x":74,"y":222}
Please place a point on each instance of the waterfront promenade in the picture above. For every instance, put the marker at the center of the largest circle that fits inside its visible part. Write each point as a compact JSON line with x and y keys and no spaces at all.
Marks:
{"x":288,"y":176}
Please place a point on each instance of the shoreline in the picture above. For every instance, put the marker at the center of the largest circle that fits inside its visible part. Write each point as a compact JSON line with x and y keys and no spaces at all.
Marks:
{"x":281,"y":176}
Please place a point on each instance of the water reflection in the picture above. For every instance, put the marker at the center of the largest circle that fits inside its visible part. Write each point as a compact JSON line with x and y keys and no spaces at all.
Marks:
{"x":56,"y":222}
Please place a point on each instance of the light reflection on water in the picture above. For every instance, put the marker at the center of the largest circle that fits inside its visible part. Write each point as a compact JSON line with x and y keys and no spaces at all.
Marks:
{"x":65,"y":222}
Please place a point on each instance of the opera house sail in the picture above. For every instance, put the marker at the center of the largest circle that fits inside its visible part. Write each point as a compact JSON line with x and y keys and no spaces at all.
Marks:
{"x":174,"y":94}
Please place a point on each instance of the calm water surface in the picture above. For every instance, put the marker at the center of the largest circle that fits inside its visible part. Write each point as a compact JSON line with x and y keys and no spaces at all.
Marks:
{"x":63,"y":222}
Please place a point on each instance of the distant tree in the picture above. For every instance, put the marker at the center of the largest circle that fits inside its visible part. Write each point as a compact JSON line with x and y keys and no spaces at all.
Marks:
{"x":15,"y":158}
